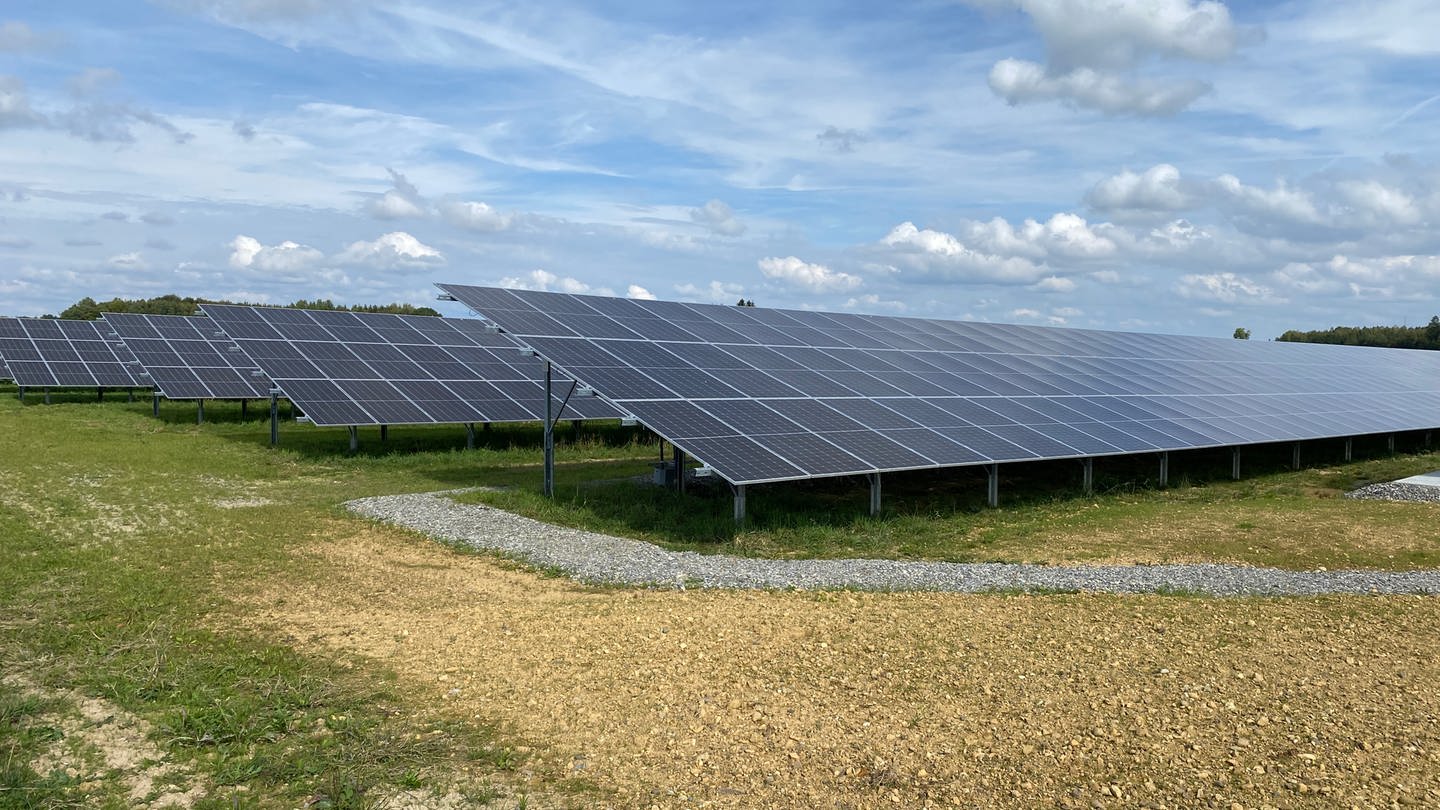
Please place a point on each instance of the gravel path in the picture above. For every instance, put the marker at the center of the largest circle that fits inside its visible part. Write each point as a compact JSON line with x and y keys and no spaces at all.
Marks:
{"x":599,"y":558}
{"x":1397,"y":491}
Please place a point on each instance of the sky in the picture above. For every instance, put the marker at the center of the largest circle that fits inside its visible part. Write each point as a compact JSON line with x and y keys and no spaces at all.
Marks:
{"x":1152,"y":165}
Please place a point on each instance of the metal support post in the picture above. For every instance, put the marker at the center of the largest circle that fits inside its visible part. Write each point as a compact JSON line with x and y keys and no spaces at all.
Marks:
{"x":993,"y":491}
{"x":739,"y":504}
{"x":22,"y":393}
{"x":100,"y":394}
{"x":354,"y":438}
{"x":47,"y":396}
{"x":1164,"y":469}
{"x":874,"y":493}
{"x":470,"y":435}
{"x":130,"y":392}
{"x":155,"y":405}
{"x":384,"y":433}
{"x":549,"y":438}
{"x":244,"y":409}
{"x":1427,"y":440}
{"x":274,"y":420}
{"x":1088,"y":467}
{"x":1390,"y":443}
{"x":199,"y":411}
{"x":679,"y":469}
{"x":1235,"y":463}
{"x":1295,"y":456}
{"x":1349,"y":450}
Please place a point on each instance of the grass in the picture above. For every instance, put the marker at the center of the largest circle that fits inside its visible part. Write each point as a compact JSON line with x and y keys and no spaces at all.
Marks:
{"x":122,"y":538}
{"x":1273,"y":516}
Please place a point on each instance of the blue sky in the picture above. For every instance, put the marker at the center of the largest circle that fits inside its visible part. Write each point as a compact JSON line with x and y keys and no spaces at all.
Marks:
{"x":1166,"y":165}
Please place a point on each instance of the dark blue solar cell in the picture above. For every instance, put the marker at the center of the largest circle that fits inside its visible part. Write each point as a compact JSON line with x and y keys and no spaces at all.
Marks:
{"x":813,"y":454}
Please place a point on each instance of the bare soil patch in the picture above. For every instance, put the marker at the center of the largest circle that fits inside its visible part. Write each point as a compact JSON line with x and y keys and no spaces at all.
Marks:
{"x":100,"y":743}
{"x":745,"y":699}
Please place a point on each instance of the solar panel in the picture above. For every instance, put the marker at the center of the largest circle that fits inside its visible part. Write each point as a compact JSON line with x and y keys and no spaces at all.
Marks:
{"x":51,"y":353}
{"x":767,"y":394}
{"x":351,"y":368}
{"x":184,"y":358}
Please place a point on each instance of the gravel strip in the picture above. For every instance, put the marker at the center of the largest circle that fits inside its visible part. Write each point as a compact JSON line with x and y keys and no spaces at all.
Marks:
{"x":1396,"y":491}
{"x":603,"y":559}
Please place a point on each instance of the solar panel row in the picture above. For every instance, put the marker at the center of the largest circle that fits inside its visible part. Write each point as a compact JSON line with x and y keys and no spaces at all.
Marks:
{"x":184,"y":359}
{"x":51,"y":353}
{"x":346,"y":368}
{"x":765,"y":394}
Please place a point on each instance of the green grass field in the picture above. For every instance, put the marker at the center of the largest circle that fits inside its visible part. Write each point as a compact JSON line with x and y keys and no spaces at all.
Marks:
{"x":124,"y":538}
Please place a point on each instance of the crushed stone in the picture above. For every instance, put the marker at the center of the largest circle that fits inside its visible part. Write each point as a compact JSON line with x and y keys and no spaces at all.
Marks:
{"x":596,"y":558}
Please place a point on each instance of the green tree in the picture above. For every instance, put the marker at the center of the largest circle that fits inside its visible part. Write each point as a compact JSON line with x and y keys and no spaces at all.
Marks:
{"x":1241,"y":333}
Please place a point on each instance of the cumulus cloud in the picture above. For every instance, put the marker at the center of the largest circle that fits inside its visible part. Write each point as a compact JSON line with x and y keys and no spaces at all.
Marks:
{"x":718,"y":218}
{"x":1225,"y":288}
{"x":15,"y":110}
{"x":1281,"y":203}
{"x":873,"y":302}
{"x":717,"y":292}
{"x":546,"y":281}
{"x":1095,"y":48}
{"x":249,"y":253}
{"x":638,"y":292}
{"x":1019,"y":81}
{"x":1064,"y":235}
{"x":817,"y":277}
{"x":476,"y":216}
{"x":1054,"y":284}
{"x":402,"y":201}
{"x":394,"y":249}
{"x":1158,"y":188}
{"x":928,"y":253}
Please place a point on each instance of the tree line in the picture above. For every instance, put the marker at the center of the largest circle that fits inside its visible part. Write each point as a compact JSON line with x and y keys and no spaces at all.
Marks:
{"x":1392,"y":337}
{"x":87,"y":309}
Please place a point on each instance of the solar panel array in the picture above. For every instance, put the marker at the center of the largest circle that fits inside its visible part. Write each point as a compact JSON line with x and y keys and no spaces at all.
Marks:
{"x":51,"y":353}
{"x":766,"y":394}
{"x":349,"y":368}
{"x":184,"y":358}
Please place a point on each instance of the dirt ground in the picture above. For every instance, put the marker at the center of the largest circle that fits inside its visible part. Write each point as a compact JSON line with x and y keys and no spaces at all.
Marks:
{"x":851,"y":700}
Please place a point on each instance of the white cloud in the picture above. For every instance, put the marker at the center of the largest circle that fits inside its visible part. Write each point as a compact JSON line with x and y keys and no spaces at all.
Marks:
{"x":395,"y":249}
{"x":127,"y":261}
{"x":1226,"y":288}
{"x":716,"y":292}
{"x":1281,"y":203}
{"x":402,"y":201}
{"x":1054,"y":284}
{"x":1377,"y":201}
{"x":817,"y":277}
{"x":1158,"y":188}
{"x":873,"y":302}
{"x":476,"y":216}
{"x":248,"y":253}
{"x":718,"y":218}
{"x":1019,"y":81}
{"x":1064,"y":234}
{"x":638,"y":292}
{"x":930,"y":253}
{"x":1094,"y":49}
{"x":546,"y":281}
